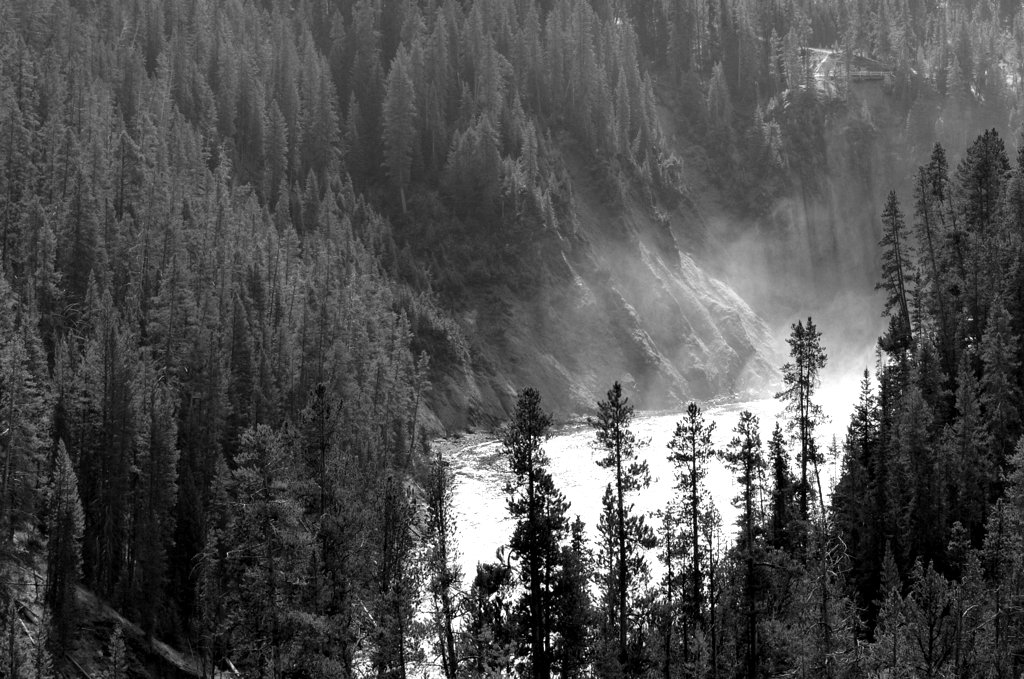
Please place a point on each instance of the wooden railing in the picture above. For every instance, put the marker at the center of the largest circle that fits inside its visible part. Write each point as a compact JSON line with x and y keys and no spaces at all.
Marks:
{"x":869,"y":75}
{"x":856,"y":75}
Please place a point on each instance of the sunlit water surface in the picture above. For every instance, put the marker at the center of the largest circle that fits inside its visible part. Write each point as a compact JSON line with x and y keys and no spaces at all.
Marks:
{"x":482,"y":471}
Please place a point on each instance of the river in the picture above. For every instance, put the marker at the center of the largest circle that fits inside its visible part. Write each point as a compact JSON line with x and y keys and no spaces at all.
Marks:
{"x":481,"y":470}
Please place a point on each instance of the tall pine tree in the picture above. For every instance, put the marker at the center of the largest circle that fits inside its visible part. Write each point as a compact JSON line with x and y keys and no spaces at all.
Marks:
{"x":801,"y":379}
{"x":625,"y":535}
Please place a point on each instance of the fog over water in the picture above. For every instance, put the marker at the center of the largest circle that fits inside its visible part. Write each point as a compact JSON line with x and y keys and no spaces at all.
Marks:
{"x":481,"y":469}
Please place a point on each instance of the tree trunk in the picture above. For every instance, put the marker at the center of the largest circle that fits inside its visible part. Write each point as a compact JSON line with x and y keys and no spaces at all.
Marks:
{"x":622,"y":551}
{"x":669,"y":591}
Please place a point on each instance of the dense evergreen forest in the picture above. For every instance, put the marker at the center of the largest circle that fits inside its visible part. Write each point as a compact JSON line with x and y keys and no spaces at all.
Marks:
{"x":236,"y":239}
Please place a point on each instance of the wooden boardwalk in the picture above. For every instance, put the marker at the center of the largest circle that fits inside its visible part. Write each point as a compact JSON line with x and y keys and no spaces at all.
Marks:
{"x":830,"y":65}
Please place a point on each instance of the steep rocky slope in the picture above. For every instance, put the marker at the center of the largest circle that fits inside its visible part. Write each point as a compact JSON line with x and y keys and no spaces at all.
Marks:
{"x":623,"y":301}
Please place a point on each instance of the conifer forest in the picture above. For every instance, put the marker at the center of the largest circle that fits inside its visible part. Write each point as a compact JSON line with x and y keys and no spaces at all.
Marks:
{"x":268,"y":266}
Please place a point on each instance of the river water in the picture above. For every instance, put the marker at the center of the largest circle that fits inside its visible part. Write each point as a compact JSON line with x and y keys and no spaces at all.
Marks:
{"x":482,"y":471}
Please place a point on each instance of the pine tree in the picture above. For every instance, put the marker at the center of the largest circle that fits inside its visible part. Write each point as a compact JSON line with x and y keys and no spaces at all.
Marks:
{"x":972,"y":463}
{"x":214,"y":567}
{"x":442,"y":566}
{"x":42,"y":656}
{"x":745,"y":459}
{"x":929,"y":229}
{"x":66,"y":523}
{"x":434,"y":93}
{"x":320,"y":131}
{"x":276,"y":154}
{"x":572,"y":641}
{"x":800,"y":379}
{"x":117,"y":658}
{"x":859,"y":498}
{"x":922,"y":474}
{"x":24,"y":410}
{"x":897,"y":270}
{"x":888,"y":654}
{"x":396,"y":579}
{"x":105,"y":421}
{"x":980,"y":179}
{"x":154,"y":494}
{"x":1004,"y":548}
{"x":783,"y":492}
{"x":250,"y":127}
{"x":672,"y":556}
{"x":691,"y":453}
{"x":1000,"y":390}
{"x":929,"y":625}
{"x":267,"y":549}
{"x":541,"y":525}
{"x":1015,"y":192}
{"x":488,"y":643}
{"x":625,"y":535}
{"x":400,"y":122}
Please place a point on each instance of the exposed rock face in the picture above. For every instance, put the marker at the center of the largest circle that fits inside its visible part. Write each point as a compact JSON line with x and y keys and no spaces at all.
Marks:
{"x":626,"y":304}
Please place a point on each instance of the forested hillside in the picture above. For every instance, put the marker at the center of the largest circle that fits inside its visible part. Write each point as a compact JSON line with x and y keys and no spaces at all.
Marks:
{"x":252,"y":250}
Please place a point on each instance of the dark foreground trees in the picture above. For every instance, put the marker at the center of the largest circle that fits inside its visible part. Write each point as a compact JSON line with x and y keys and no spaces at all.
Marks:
{"x":929,"y":473}
{"x":207,"y":326}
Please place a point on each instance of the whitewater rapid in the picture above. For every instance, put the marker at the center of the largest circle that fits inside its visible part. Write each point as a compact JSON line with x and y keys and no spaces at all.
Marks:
{"x":481,"y":470}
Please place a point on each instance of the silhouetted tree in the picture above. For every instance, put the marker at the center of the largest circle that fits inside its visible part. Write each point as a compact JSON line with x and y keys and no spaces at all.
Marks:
{"x":624,"y":535}
{"x":801,"y":379}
